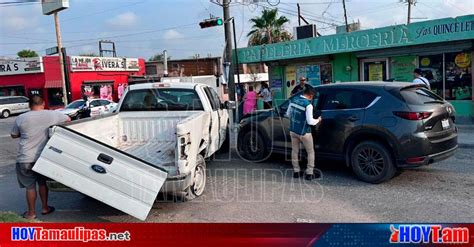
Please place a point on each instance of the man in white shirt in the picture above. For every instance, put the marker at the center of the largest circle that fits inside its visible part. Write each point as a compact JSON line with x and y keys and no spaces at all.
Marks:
{"x":420,"y":79}
{"x":300,"y":112}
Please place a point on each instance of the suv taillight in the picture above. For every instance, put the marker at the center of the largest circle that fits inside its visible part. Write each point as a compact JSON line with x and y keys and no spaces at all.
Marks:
{"x":412,"y":115}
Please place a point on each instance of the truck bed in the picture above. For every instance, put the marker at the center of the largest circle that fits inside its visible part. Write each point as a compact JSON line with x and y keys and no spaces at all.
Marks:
{"x":155,"y":152}
{"x":150,"y":136}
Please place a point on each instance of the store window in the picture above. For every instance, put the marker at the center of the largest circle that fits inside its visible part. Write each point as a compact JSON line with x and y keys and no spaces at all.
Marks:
{"x":12,"y":91}
{"x":458,"y":76}
{"x":55,"y":97}
{"x":432,"y":69}
{"x":326,"y":73}
{"x":98,"y":91}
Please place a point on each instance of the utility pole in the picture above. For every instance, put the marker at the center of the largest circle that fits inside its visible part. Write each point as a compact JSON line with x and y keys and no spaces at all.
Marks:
{"x":409,"y":11}
{"x":345,"y":15}
{"x":61,"y":58}
{"x":299,"y":14}
{"x":228,"y":46}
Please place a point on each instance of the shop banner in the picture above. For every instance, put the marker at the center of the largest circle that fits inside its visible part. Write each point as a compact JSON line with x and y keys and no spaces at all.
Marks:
{"x":417,"y":33}
{"x":139,"y":234}
{"x":21,"y":66}
{"x":80,"y":63}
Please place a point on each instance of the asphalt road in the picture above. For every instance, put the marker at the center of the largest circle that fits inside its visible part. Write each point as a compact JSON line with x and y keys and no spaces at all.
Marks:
{"x":239,"y":191}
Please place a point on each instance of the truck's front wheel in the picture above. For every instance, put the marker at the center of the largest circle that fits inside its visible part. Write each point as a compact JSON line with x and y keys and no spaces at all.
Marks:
{"x":199,"y":179}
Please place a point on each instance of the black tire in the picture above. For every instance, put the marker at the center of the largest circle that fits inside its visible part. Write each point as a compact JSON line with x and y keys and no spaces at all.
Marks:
{"x":252,"y":146}
{"x":372,"y":162}
{"x":5,"y":113}
{"x":199,"y":180}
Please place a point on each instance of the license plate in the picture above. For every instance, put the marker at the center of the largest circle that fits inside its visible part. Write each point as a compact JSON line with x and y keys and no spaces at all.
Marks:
{"x":445,"y":124}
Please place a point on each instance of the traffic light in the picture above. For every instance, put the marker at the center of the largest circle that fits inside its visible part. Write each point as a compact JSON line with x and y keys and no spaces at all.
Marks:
{"x":211,"y":22}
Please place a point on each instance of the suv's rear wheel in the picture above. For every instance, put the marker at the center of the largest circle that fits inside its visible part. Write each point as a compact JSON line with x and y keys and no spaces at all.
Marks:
{"x":5,"y":113}
{"x":252,"y":147}
{"x":372,"y":162}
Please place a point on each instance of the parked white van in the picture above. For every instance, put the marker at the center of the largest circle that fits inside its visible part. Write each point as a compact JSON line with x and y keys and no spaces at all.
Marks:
{"x":13,"y":105}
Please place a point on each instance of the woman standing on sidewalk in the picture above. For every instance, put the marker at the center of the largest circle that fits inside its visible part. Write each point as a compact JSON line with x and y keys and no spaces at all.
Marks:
{"x":250,"y":101}
{"x":267,"y":96}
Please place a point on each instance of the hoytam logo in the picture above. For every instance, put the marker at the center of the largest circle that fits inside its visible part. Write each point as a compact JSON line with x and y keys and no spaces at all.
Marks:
{"x":74,"y":234}
{"x":435,"y":234}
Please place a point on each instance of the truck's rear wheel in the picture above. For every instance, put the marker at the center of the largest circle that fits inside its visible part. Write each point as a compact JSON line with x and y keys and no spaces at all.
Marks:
{"x":199,"y":179}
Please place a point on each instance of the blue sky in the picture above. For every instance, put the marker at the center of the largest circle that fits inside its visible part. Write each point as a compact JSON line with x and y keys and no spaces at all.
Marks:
{"x":142,"y":28}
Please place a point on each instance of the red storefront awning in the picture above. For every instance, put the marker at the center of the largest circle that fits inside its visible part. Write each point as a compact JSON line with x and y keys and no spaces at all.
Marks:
{"x":53,"y":84}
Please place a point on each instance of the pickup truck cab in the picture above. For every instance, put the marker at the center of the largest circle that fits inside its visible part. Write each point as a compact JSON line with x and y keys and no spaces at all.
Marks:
{"x":156,"y":141}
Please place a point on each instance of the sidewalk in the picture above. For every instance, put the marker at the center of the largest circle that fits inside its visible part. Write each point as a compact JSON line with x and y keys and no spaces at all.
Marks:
{"x":465,"y":136}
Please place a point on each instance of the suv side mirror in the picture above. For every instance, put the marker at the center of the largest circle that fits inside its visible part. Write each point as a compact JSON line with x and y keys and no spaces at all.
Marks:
{"x":229,"y":105}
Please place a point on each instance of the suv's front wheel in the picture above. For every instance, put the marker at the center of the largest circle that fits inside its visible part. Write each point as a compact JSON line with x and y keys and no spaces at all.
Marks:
{"x":251,"y":146}
{"x":372,"y":162}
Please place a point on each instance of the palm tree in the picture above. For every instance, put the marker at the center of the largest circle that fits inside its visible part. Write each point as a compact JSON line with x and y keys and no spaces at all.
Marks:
{"x":268,"y":28}
{"x":26,"y":53}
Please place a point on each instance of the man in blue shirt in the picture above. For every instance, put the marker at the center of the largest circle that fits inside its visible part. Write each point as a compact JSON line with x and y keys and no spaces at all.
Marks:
{"x":300,"y":112}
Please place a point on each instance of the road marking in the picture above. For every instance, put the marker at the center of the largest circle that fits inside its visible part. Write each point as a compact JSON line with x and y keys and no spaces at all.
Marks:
{"x":4,"y":136}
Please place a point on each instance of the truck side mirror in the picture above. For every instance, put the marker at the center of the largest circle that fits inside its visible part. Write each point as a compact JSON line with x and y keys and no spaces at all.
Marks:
{"x":229,"y":105}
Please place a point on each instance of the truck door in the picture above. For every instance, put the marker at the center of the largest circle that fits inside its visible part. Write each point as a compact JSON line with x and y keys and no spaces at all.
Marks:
{"x":215,"y":129}
{"x":100,"y":171}
{"x":223,"y":117}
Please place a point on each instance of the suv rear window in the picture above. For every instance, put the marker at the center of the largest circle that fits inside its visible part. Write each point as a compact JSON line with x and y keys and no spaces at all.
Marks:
{"x":419,"y":96}
{"x":162,"y":100}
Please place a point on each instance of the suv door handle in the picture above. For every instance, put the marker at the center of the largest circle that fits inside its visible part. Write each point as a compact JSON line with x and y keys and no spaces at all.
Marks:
{"x":353,"y":118}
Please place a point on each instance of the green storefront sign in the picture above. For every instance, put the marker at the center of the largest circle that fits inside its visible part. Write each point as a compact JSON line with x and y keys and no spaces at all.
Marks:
{"x":441,"y":30}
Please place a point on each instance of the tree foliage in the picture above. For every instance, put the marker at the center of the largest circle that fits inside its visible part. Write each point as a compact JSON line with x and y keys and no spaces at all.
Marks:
{"x":158,"y":57}
{"x":269,"y":28}
{"x":27,"y":53}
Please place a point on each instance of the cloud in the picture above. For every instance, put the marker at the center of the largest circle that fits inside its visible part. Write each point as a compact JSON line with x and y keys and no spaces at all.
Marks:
{"x":18,"y":19}
{"x":122,"y":21}
{"x":172,"y":34}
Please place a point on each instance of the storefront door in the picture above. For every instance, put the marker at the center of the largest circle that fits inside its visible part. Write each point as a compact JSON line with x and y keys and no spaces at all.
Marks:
{"x":374,"y":69}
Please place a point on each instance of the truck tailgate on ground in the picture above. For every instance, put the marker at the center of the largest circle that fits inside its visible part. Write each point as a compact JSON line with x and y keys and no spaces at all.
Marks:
{"x":101,"y":171}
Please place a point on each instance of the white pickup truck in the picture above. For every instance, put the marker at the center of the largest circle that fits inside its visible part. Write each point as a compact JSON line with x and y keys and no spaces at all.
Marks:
{"x":156,"y":141}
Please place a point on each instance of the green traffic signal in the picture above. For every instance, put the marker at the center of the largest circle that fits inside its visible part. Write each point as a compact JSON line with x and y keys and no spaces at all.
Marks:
{"x":211,"y":22}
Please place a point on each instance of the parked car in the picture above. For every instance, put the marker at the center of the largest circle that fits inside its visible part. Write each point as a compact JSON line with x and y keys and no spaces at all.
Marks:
{"x":161,"y":131}
{"x":77,"y":109}
{"x":376,"y":127}
{"x":13,"y":105}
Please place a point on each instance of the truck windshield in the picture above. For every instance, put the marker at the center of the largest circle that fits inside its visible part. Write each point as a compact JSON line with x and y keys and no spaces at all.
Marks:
{"x":162,"y":99}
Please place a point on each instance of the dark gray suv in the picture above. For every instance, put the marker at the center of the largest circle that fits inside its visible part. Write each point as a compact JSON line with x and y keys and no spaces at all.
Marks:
{"x":376,"y":127}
